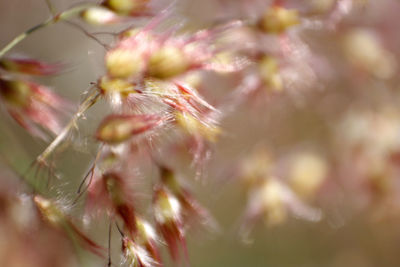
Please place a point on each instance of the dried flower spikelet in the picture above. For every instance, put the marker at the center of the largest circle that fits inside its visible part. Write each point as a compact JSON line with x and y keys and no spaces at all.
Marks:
{"x":135,"y":255}
{"x":278,"y":19}
{"x":114,"y":188}
{"x":146,"y":237}
{"x":49,"y":210}
{"x":146,"y":232}
{"x":166,"y":62}
{"x":121,"y":203}
{"x":269,"y":72}
{"x":29,"y":66}
{"x":167,"y":207}
{"x":168,"y":179}
{"x":116,"y":129}
{"x":307,"y":173}
{"x":195,"y":127}
{"x":126,"y":7}
{"x":365,"y":51}
{"x":128,"y":33}
{"x":109,"y":86}
{"x":16,"y":93}
{"x":56,"y":217}
{"x":167,"y":212}
{"x":29,"y":103}
{"x":192,"y":211}
{"x":124,"y":63}
{"x":99,"y":16}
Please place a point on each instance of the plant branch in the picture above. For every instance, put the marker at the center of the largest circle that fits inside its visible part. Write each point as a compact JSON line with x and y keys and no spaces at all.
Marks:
{"x":89,"y":101}
{"x":60,"y":17}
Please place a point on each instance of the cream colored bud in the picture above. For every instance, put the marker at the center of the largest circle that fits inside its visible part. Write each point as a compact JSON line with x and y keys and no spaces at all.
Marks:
{"x":167,"y":62}
{"x":124,"y":63}
{"x":49,"y":210}
{"x":167,"y":207}
{"x":126,"y":7}
{"x":99,"y":16}
{"x":194,"y":126}
{"x":123,"y":87}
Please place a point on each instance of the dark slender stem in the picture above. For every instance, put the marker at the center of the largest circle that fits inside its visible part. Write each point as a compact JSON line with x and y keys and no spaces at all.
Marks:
{"x":109,"y":244}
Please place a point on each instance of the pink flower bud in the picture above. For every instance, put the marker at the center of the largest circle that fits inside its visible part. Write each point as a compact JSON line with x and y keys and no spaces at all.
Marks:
{"x":29,"y":66}
{"x":30,"y":103}
{"x":116,"y":129}
{"x":167,"y":212}
{"x":135,"y":255}
{"x":121,"y":203}
{"x":57,"y":218}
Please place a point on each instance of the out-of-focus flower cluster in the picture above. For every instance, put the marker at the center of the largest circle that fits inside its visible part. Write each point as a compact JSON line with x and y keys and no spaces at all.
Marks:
{"x":34,"y":106}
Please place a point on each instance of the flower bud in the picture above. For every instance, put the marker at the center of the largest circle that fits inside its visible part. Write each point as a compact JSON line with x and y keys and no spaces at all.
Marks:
{"x":49,"y":210}
{"x":129,"y":33}
{"x":194,"y":126}
{"x":124,"y":63}
{"x":99,"y":16}
{"x":116,"y":129}
{"x":30,"y":103}
{"x":121,"y":203}
{"x":15,"y":92}
{"x":55,"y":216}
{"x":120,"y":86}
{"x":126,"y":7}
{"x":135,"y":255}
{"x":166,"y":62}
{"x":167,"y":207}
{"x":146,"y":237}
{"x":277,"y":19}
{"x":29,"y":66}
{"x":167,"y":212}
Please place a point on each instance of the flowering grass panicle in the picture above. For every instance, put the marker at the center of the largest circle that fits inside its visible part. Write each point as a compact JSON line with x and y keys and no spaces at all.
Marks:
{"x":327,"y":119}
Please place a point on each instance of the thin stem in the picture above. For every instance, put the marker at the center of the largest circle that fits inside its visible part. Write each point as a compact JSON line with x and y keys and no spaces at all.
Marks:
{"x":88,"y":34}
{"x":90,"y":100}
{"x":60,"y":17}
{"x":109,"y":243}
